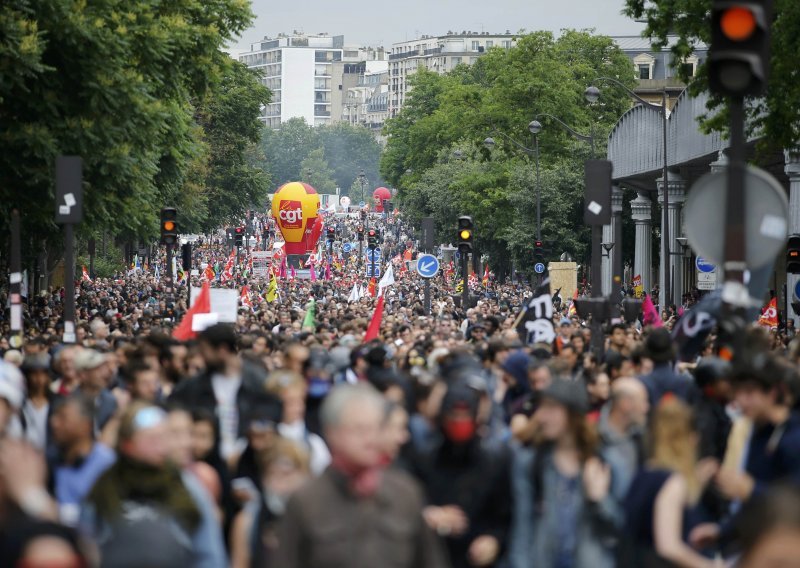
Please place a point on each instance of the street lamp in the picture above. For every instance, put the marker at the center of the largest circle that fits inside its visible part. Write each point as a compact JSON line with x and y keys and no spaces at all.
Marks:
{"x":592,"y":95}
{"x":607,"y":247}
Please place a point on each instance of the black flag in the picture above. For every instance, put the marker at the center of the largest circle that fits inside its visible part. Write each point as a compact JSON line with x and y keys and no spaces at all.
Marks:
{"x":535,"y":324}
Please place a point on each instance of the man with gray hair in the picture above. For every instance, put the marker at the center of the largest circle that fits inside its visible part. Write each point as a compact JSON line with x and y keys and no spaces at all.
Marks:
{"x":357,"y":513}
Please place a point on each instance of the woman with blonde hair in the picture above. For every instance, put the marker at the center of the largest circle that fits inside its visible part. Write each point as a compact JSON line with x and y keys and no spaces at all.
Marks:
{"x":662,"y":502}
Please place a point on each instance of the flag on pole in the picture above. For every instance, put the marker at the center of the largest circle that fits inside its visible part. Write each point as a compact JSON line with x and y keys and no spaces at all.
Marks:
{"x":245,"y":298}
{"x":293,"y":274}
{"x":272,"y":289}
{"x":375,"y":323}
{"x":573,"y":310}
{"x":313,"y":272}
{"x":85,"y":275}
{"x":371,"y":287}
{"x":387,"y":279}
{"x":769,"y":316}
{"x":311,"y":311}
{"x":209,"y":273}
{"x":355,"y":294}
{"x":649,"y":313}
{"x":486,"y":276}
{"x":202,"y":305}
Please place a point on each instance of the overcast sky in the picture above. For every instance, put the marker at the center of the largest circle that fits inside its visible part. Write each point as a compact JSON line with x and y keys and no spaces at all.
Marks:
{"x":385,"y":22}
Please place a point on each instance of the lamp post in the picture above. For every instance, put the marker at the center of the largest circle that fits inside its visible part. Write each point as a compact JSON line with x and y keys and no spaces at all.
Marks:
{"x":592,"y":94}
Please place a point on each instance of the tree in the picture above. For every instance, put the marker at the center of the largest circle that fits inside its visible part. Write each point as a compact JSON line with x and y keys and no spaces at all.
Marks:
{"x":286,"y":148}
{"x":317,"y":173}
{"x":778,"y":113}
{"x":350,"y":149}
{"x":451,"y":115}
{"x":229,"y":120}
{"x":113,"y":83}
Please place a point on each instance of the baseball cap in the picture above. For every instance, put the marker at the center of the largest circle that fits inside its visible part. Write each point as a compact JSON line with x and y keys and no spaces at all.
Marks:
{"x":569,"y":393}
{"x":87,"y":359}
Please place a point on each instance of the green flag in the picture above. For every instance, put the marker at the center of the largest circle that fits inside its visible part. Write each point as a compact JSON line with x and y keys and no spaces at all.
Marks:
{"x":311,"y":309}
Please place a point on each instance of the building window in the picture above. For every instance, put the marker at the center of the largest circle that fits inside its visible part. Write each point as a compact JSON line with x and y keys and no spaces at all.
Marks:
{"x":489,"y":44}
{"x":455,"y":61}
{"x":644,"y":64}
{"x":644,"y":72}
{"x":475,"y":45}
{"x":507,"y":43}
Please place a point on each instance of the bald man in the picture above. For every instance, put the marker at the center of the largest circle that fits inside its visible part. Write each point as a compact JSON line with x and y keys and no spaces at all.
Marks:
{"x":621,"y":426}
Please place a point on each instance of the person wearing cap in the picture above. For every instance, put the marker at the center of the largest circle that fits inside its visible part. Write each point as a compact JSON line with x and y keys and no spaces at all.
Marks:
{"x":663,"y":379}
{"x":94,"y":375}
{"x":564,"y":514}
{"x":466,"y":479}
{"x":145,"y":495}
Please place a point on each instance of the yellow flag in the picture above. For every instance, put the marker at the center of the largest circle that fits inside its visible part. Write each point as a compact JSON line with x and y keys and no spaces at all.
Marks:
{"x":272,"y":290}
{"x":460,"y":286}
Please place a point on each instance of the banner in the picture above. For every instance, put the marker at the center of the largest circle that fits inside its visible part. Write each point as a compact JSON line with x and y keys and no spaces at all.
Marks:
{"x":638,"y":287}
{"x":535,"y":323}
{"x":261,"y":261}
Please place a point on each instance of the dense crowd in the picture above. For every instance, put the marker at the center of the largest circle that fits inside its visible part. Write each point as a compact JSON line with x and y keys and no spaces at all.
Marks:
{"x":287,"y":441}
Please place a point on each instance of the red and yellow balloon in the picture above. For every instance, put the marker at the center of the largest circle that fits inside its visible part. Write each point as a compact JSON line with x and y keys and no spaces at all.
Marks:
{"x":294,"y":207}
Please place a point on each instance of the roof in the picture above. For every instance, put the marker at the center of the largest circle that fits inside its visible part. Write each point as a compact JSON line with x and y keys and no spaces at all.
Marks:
{"x":638,"y":43}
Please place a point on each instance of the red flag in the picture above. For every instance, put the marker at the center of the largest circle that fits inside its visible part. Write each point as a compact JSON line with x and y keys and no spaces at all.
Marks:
{"x":85,"y":275}
{"x":375,"y":322}
{"x":486,"y":276}
{"x":245,"y":298}
{"x":769,"y":317}
{"x":371,"y":287}
{"x":202,"y":305}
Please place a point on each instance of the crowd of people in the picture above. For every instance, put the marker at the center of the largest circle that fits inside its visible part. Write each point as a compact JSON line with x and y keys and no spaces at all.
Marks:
{"x":446,"y":441}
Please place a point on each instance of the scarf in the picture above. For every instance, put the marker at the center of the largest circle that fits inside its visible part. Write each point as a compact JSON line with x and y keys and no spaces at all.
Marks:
{"x":363,"y":482}
{"x":132,"y":480}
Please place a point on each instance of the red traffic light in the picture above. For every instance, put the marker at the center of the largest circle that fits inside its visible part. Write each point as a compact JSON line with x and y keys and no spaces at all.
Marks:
{"x":239,"y":230}
{"x":738,"y":23}
{"x":371,"y":233}
{"x":538,"y":244}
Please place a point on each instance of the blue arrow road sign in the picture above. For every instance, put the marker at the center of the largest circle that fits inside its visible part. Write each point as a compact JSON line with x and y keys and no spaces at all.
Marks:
{"x":427,"y":265}
{"x":347,"y":247}
{"x":538,"y":268}
{"x":374,"y":255}
{"x":704,"y":266}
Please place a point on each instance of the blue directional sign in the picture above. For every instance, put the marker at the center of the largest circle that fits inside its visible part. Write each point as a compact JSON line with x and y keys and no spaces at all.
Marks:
{"x":346,"y":248}
{"x":377,"y":271}
{"x":703,"y":266}
{"x":361,"y":204}
{"x":538,"y":268}
{"x":374,"y":255}
{"x":427,"y":265}
{"x":797,"y":289}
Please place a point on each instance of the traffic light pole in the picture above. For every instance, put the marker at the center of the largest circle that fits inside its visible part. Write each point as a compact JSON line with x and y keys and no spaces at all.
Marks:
{"x":465,"y":286}
{"x":15,"y":283}
{"x":168,"y":280}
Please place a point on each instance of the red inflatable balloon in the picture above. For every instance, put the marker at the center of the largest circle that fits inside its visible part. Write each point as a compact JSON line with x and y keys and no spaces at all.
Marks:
{"x":381,"y":195}
{"x":294,"y":207}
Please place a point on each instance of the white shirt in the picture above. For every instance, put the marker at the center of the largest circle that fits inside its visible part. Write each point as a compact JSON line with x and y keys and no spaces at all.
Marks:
{"x":319,"y":457}
{"x":225,"y":391}
{"x":36,"y":423}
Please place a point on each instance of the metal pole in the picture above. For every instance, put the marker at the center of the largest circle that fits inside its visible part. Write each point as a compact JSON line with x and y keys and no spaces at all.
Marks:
{"x":666,"y":244}
{"x":465,"y":287}
{"x":69,"y":284}
{"x":15,"y":283}
{"x":428,"y":296}
{"x":735,"y":230}
{"x":597,"y":237}
{"x":168,"y":283}
{"x":538,"y":191}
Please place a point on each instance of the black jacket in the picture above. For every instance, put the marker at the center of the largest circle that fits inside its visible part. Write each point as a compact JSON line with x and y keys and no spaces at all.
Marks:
{"x":252,"y":401}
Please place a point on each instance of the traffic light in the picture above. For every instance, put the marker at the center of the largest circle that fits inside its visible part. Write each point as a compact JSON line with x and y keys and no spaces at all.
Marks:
{"x":169,"y":225}
{"x":360,"y":231}
{"x":238,"y":236}
{"x":738,"y":58}
{"x":372,"y":239}
{"x":465,"y":233}
{"x":793,"y":254}
{"x":331,"y":234}
{"x":538,"y":251}
{"x":186,"y":257}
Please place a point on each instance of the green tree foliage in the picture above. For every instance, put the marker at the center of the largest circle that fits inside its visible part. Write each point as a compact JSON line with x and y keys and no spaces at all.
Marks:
{"x":498,"y":96}
{"x":114,"y":82}
{"x":778,"y":113}
{"x":228,"y":117}
{"x":316,"y":172}
{"x":347,"y":149}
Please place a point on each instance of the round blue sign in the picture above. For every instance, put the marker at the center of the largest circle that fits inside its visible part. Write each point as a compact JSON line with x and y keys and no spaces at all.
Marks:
{"x":427,"y":265}
{"x":797,"y":289}
{"x":538,"y":268}
{"x":347,"y":247}
{"x":703,"y":266}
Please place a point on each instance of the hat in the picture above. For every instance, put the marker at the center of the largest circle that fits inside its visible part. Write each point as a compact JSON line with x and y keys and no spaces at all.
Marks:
{"x":658,"y":346}
{"x":516,"y":365}
{"x":569,"y":393}
{"x":88,"y":359}
{"x":12,"y":385}
{"x":565,"y":321}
